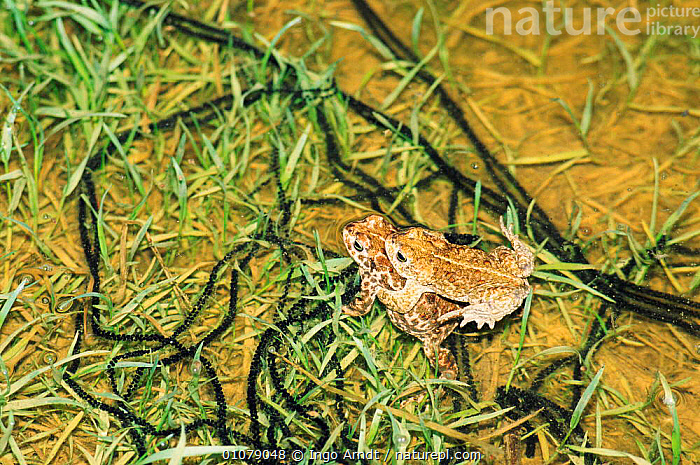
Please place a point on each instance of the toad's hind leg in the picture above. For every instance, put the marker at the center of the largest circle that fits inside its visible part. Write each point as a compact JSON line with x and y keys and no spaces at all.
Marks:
{"x":441,"y":358}
{"x":445,"y":362}
{"x":519,"y":261}
{"x":489,"y":310}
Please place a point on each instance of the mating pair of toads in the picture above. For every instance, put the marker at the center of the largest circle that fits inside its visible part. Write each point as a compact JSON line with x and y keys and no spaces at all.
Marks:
{"x":426,"y":283}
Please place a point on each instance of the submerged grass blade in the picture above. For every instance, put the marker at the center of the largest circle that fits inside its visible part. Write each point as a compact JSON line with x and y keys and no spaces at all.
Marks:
{"x":39,"y":243}
{"x":294,"y":156}
{"x":523,"y":331}
{"x":675,"y":216}
{"x":632,"y":78}
{"x":10,"y":301}
{"x":655,"y":197}
{"x":611,"y":453}
{"x":585,"y":397}
{"x":587,"y":110}
{"x":406,"y":80}
{"x":477,"y":201}
{"x":576,"y":284}
{"x":670,"y":401}
{"x":376,"y":43}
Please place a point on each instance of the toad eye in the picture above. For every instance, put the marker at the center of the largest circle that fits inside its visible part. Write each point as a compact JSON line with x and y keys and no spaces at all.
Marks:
{"x":401,"y":257}
{"x":359,"y":247}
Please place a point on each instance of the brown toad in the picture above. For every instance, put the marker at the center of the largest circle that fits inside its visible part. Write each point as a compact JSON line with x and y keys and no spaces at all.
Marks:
{"x":364,"y":240}
{"x":494,"y":284}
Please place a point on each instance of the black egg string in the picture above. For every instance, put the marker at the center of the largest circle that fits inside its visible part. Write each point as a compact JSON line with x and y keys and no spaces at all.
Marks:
{"x":127,"y":417}
{"x":653,"y":304}
{"x":271,"y":344}
{"x":121,"y":410}
{"x":526,"y":401}
{"x":91,"y":249}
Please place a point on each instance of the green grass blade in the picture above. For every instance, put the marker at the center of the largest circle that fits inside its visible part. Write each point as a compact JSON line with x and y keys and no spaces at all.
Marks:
{"x":87,"y":13}
{"x":566,"y":107}
{"x":523,"y":331}
{"x":293,"y":158}
{"x":10,"y":301}
{"x":376,"y":43}
{"x":406,"y":80}
{"x":585,"y":397}
{"x":587,"y":109}
{"x":673,"y":219}
{"x":670,"y":402}
{"x":611,"y":453}
{"x":180,"y":190}
{"x":139,"y":237}
{"x":657,"y":442}
{"x":71,"y":52}
{"x":576,"y":284}
{"x":655,"y":197}
{"x":39,"y":243}
{"x":6,"y":139}
{"x":75,"y":177}
{"x":276,"y":39}
{"x":133,"y":172}
{"x":632,"y":78}
{"x":415,"y":30}
{"x":477,"y":201}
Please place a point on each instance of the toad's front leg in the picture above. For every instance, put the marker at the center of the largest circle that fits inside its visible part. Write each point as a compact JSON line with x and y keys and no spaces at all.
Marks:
{"x":365,"y":298}
{"x":403,"y":300}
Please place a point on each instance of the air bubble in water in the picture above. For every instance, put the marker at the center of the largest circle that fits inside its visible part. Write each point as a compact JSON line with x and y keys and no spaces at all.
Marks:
{"x":402,"y":439}
{"x":25,"y":279}
{"x":196,"y":367}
